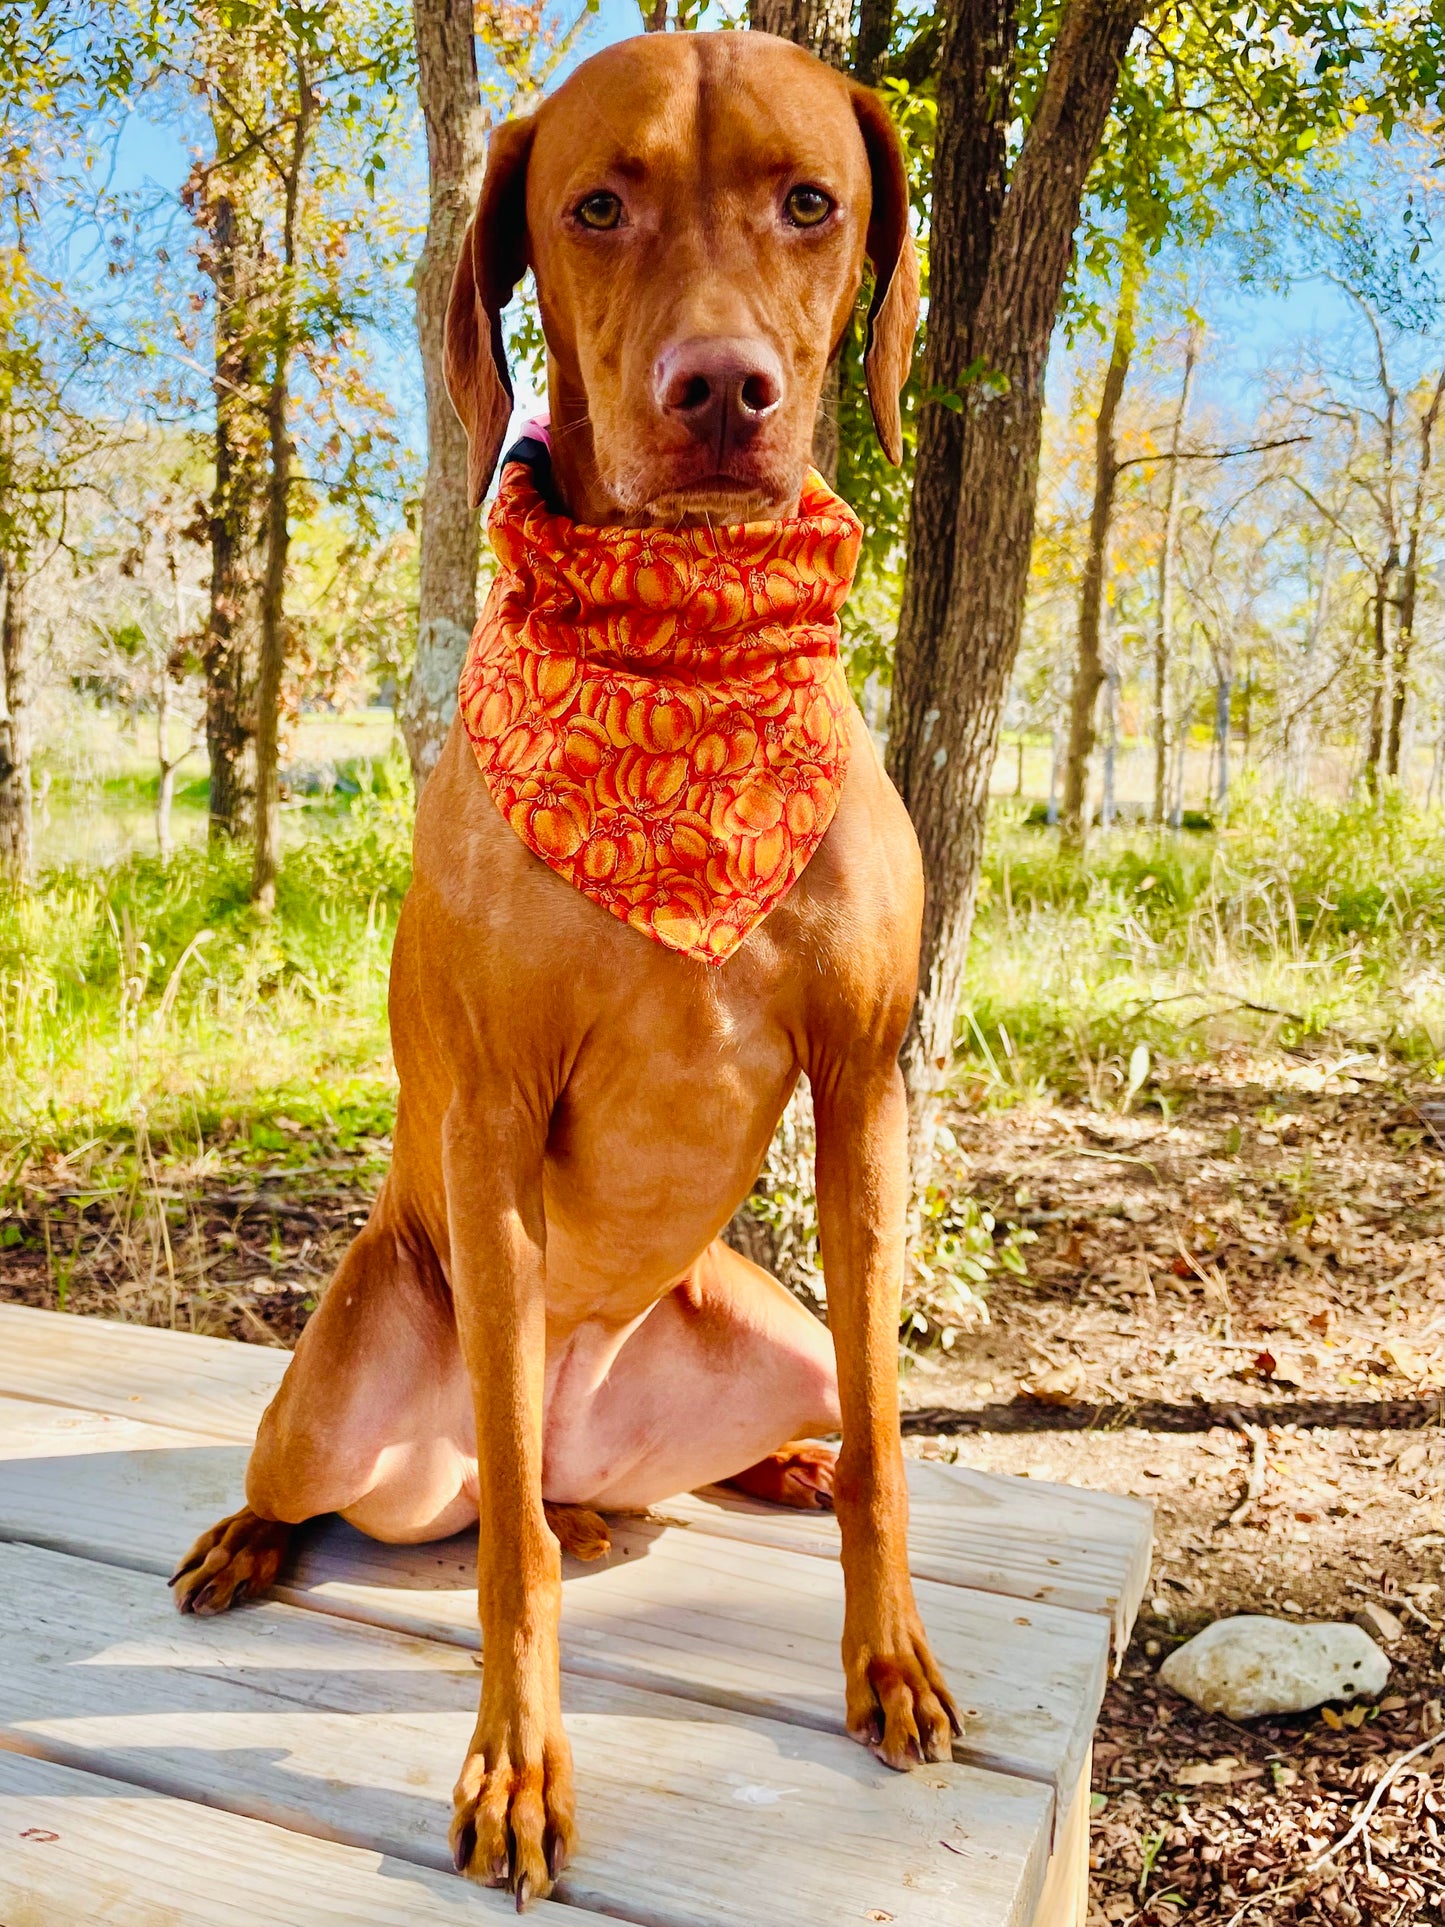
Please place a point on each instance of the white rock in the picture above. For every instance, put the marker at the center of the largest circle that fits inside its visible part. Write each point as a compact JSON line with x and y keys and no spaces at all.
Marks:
{"x":1251,"y":1665}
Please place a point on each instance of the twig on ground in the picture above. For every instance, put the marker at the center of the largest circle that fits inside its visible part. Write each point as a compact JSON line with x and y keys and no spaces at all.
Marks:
{"x":1422,"y":1619}
{"x":1225,"y":997}
{"x":1108,"y":1157}
{"x":1258,"y":1470}
{"x":1362,"y":1820}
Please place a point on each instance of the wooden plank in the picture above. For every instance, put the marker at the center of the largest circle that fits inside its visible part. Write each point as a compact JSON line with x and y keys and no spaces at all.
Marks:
{"x":211,"y":1385}
{"x":80,"y":1850}
{"x":720,"y":1621}
{"x":1064,"y":1901}
{"x":1024,"y":1538}
{"x":692,"y":1816}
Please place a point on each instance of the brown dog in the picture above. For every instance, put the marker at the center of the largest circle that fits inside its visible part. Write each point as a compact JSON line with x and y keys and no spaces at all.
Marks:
{"x":539,"y":1315}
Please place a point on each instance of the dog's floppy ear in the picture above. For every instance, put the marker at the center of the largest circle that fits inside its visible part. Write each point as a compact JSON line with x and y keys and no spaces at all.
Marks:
{"x":893,"y":311}
{"x":492,"y":262}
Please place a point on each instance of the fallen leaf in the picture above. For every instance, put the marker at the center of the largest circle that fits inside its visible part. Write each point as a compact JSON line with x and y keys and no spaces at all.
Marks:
{"x":1208,"y":1773}
{"x":1332,"y":1719}
{"x":1055,"y":1387}
{"x":1402,"y":1355}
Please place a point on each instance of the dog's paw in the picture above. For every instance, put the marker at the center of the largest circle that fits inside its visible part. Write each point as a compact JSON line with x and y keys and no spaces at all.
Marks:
{"x":235,"y":1560}
{"x":799,"y":1474}
{"x":513,"y":1819}
{"x":898,"y":1704}
{"x":579,"y":1531}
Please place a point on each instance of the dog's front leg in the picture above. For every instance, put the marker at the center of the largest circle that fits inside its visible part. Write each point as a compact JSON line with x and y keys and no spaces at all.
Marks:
{"x":897,"y":1702}
{"x":513,"y":1821}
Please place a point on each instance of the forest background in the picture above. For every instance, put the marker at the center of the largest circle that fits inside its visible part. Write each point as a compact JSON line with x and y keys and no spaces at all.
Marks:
{"x":1149,"y":624}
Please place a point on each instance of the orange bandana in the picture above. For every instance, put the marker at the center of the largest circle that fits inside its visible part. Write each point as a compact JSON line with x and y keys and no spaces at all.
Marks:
{"x":660,"y":714}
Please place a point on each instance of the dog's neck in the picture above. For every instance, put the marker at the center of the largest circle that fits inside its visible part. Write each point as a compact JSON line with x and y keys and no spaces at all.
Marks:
{"x":578,"y":486}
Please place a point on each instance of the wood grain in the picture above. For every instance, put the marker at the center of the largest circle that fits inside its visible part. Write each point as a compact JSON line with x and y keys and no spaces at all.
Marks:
{"x":1023,"y":1538}
{"x":355,"y":1734}
{"x":80,"y":1849}
{"x":1026,"y":1538}
{"x":211,"y":1385}
{"x":724,"y":1622}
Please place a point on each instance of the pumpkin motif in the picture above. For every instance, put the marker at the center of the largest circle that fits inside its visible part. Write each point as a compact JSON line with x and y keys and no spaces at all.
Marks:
{"x":661,"y":714}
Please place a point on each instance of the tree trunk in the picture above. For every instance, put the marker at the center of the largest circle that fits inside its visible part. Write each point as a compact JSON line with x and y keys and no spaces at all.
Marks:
{"x":167,"y":788}
{"x":1089,"y":674}
{"x":1222,"y":688}
{"x":822,"y":26}
{"x":233,"y":260}
{"x":870,"y":46}
{"x":278,"y":530}
{"x":456,"y":138}
{"x":999,"y":252}
{"x":1164,"y":612}
{"x":1379,"y":676}
{"x":1410,"y":581}
{"x":16,"y":828}
{"x":273,"y":646}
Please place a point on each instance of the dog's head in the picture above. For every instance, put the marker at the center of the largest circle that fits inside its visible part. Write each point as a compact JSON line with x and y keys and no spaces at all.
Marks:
{"x":696,"y":209}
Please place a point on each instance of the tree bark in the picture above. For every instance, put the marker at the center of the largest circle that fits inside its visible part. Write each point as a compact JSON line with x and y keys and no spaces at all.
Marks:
{"x":1111,"y":748}
{"x":456,"y":137}
{"x":1222,"y":689}
{"x":824,"y":27}
{"x":1164,"y":610}
{"x":232,"y":259}
{"x":16,"y":826}
{"x":1380,"y":674}
{"x":166,"y":789}
{"x":1410,"y":581}
{"x":870,"y":45}
{"x":267,"y":857}
{"x":1089,"y":673}
{"x":999,"y":253}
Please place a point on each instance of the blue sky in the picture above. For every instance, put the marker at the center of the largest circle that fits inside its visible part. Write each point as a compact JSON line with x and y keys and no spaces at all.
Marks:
{"x":1250,"y":329}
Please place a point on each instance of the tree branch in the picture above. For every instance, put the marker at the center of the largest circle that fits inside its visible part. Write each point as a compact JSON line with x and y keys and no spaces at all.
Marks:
{"x":1215,"y":454}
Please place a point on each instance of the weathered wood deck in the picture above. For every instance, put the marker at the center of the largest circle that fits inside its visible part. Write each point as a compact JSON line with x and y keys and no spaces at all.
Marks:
{"x":291,"y":1764}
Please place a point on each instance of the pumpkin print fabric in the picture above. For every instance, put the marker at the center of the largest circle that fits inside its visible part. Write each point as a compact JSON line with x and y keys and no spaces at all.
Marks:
{"x":661,"y":715}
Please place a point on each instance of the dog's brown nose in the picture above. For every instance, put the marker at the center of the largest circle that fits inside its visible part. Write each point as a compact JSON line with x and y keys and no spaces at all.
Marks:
{"x":721,"y":387}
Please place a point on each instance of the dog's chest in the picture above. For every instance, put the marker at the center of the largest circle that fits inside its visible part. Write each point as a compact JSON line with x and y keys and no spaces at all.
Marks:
{"x":663,"y":1122}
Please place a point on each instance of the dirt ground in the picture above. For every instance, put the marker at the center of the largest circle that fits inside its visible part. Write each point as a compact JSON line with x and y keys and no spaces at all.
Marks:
{"x":1251,"y":1286}
{"x":1234,"y":1310}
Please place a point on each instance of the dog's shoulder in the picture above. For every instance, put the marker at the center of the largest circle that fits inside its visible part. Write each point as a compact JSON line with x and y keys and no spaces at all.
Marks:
{"x":857,"y":910}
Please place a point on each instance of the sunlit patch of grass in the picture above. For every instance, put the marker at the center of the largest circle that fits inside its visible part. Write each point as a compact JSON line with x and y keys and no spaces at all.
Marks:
{"x":156,"y":1037}
{"x":150,"y":998}
{"x":1299,"y":927}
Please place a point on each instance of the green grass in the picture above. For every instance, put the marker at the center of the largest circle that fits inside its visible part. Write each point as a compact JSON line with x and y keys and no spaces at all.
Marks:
{"x":156,"y":1037}
{"x":150,"y":998}
{"x":1299,"y":925}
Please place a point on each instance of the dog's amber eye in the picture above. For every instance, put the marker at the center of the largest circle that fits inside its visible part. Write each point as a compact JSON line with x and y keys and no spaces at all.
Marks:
{"x":808,"y":206}
{"x":599,"y":211}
